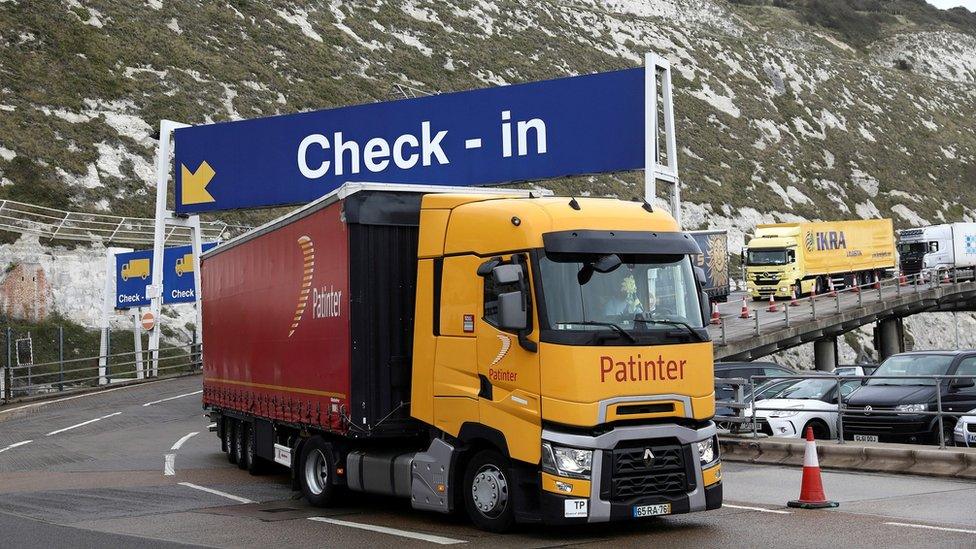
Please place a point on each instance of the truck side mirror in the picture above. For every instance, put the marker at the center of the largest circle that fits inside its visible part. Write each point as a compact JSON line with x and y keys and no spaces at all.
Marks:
{"x":511,"y":311}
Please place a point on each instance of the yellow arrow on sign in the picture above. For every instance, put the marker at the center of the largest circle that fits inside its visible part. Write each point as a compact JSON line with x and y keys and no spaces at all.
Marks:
{"x":195,"y":184}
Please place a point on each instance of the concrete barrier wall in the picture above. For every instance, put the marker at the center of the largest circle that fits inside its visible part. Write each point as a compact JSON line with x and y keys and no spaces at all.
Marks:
{"x":856,"y":456}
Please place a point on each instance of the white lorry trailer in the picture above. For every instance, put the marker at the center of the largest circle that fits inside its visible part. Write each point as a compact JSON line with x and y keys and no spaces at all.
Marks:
{"x":932,"y":250}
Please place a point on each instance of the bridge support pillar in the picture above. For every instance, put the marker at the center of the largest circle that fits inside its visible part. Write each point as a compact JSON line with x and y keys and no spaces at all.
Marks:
{"x":889,"y":337}
{"x":825,"y":353}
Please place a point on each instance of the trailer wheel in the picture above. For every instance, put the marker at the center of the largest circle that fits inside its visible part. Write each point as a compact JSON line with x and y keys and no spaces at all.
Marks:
{"x":488,"y":492}
{"x":239,"y":443}
{"x":229,"y":429}
{"x":256,"y":465}
{"x":246,"y":434}
{"x":315,"y":472}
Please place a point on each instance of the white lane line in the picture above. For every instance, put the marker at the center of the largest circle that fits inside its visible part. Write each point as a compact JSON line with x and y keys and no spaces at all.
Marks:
{"x":173,"y":398}
{"x":82,"y":424}
{"x":391,"y":531}
{"x":14,"y":445}
{"x":211,"y":426}
{"x":184,"y":439}
{"x":215,"y":492}
{"x":169,"y":465}
{"x":927,"y":527}
{"x":760,"y":509}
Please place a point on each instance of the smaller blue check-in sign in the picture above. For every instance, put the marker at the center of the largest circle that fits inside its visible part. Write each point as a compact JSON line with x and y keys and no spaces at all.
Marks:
{"x":133,"y":273}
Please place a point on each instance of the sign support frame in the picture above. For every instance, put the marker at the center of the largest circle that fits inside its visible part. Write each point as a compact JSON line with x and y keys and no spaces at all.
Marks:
{"x":108,"y":309}
{"x":653,"y":168}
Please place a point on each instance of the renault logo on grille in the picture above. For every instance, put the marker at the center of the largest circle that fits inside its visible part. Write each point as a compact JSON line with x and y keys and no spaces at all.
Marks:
{"x":648,"y":456}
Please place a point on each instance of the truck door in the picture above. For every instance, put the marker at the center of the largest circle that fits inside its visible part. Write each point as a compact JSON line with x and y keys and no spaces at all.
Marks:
{"x":509,"y":396}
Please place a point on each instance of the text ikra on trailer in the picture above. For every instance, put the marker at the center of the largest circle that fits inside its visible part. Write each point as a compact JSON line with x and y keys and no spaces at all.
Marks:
{"x":318,"y":155}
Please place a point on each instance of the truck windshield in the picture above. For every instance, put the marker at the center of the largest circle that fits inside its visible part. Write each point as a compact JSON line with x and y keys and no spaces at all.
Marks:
{"x":633,"y":295}
{"x":911,"y":365}
{"x":911,"y":248}
{"x":767,"y":257}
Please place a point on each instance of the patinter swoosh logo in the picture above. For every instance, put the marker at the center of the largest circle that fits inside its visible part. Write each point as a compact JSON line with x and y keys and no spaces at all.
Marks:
{"x":308,"y":251}
{"x":506,"y":345}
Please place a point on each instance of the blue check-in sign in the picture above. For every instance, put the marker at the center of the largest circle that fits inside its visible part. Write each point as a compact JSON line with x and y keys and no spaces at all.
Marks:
{"x":133,"y":273}
{"x":553,"y":128}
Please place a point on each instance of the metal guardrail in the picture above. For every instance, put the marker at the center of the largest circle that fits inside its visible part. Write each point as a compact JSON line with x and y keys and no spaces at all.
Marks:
{"x":63,"y":376}
{"x":53,"y":224}
{"x":739,"y":404}
{"x":830,"y":303}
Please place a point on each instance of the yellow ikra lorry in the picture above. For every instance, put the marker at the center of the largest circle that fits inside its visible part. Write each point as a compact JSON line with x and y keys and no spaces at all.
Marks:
{"x":523,"y":358}
{"x":787,"y":258}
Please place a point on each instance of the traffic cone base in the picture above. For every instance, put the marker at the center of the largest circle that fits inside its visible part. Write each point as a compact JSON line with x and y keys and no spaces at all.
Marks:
{"x":812,"y":494}
{"x":830,"y":286}
{"x":745,"y":309}
{"x":772,"y":304}
{"x":716,"y":317}
{"x":793,"y":301}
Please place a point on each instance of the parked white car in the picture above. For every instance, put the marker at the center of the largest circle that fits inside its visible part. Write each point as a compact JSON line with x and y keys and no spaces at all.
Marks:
{"x":965,"y":431}
{"x":807,"y":403}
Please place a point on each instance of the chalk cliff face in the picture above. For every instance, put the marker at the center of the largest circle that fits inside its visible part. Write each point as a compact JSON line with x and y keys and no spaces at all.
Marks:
{"x":785,"y":110}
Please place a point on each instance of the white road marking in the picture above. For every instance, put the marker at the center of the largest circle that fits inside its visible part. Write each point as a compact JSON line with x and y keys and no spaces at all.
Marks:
{"x":184,"y":439}
{"x":93,"y":393}
{"x":173,"y":398}
{"x":927,"y":527}
{"x":391,"y":531}
{"x":760,"y":509}
{"x":14,"y":445}
{"x":169,"y":465}
{"x":82,"y":424}
{"x":215,"y":492}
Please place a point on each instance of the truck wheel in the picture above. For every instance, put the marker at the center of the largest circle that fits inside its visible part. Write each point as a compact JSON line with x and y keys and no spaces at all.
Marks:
{"x":244,"y":459}
{"x":239,"y":443}
{"x":315,"y":472}
{"x":255,"y":465}
{"x":488,"y":492}
{"x":229,"y":428}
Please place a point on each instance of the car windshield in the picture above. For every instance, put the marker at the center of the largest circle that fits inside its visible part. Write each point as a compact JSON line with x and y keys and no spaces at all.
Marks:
{"x":767,"y":257}
{"x":911,"y":365}
{"x":641,"y":293}
{"x":808,"y":389}
{"x":770,"y":389}
{"x":911,"y":248}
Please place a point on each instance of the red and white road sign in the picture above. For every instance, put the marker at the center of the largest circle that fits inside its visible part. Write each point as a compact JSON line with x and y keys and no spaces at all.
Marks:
{"x":148,"y":321}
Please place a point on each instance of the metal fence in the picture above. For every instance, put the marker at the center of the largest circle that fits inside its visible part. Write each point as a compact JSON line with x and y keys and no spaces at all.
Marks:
{"x":834,"y":301}
{"x":744,"y":407}
{"x":68,"y":375}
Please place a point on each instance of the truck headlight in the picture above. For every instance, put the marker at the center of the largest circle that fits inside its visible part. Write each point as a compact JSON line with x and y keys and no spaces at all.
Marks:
{"x":706,"y":450}
{"x":912,"y":407}
{"x":566,"y":462}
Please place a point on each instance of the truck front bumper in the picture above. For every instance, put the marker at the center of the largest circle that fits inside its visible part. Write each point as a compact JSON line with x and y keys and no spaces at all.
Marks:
{"x":782,"y":288}
{"x":622,"y":482}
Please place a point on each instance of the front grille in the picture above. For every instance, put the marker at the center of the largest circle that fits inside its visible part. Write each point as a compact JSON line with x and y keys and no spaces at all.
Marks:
{"x":877,"y":421}
{"x":631,"y":476}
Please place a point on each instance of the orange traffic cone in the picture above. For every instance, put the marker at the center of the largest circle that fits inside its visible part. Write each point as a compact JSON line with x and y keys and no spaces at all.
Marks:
{"x":856,"y":288}
{"x":716,"y":317}
{"x":745,"y":309}
{"x":945,"y":277}
{"x":811,"y":489}
{"x":772,"y":304}
{"x":902,"y":279}
{"x":877,"y":281}
{"x":830,"y":285}
{"x":793,"y":301}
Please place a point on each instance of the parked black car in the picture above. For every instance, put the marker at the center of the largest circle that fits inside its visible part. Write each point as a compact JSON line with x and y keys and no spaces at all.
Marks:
{"x":744,"y":370}
{"x":912,"y":395}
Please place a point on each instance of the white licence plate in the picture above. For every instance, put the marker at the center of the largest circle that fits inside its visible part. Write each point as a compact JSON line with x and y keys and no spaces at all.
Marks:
{"x":866,"y":438}
{"x":972,"y":437}
{"x":652,"y":510}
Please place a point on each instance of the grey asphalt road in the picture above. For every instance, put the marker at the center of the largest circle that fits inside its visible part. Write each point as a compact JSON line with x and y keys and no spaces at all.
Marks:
{"x":103,"y":483}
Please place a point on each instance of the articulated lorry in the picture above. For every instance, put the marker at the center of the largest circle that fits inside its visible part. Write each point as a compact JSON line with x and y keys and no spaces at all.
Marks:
{"x":714,"y":261}
{"x":932,"y":250}
{"x":526,"y":359}
{"x":787,"y":258}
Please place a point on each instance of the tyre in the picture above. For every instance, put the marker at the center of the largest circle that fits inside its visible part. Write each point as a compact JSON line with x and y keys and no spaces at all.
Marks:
{"x":238,"y":448}
{"x":820,"y":430}
{"x":244,"y":459}
{"x":315,"y":468}
{"x":488,"y":492}
{"x":230,"y":426}
{"x":256,"y":465}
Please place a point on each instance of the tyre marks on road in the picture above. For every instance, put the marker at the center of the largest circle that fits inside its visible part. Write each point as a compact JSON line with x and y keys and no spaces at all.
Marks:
{"x":169,"y":460}
{"x":82,"y":424}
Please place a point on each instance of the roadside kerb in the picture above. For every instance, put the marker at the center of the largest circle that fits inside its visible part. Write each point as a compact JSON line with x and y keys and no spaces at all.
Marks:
{"x":855,"y":456}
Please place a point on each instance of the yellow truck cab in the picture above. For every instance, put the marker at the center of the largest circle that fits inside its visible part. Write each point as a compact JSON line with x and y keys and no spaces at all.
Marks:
{"x":784,"y":259}
{"x":560,"y":342}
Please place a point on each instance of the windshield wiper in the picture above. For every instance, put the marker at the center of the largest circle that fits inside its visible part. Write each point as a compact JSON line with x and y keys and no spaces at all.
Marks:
{"x":611,"y":325}
{"x":684,"y":325}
